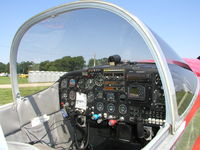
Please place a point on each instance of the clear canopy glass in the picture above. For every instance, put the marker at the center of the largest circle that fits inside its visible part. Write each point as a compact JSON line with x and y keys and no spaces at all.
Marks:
{"x":185,"y":81}
{"x":78,"y":39}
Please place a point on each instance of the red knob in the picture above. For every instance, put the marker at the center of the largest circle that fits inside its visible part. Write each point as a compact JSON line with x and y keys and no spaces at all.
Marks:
{"x":62,"y":104}
{"x":112,"y":122}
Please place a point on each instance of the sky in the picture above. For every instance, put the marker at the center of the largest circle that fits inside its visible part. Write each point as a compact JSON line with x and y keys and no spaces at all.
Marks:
{"x":176,"y":21}
{"x":83,"y":32}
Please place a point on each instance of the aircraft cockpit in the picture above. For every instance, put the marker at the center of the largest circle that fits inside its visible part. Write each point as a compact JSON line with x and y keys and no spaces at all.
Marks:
{"x":98,"y":79}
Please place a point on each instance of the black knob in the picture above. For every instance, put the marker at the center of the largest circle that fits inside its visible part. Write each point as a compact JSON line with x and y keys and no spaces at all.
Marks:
{"x":122,"y":97}
{"x":115,"y":58}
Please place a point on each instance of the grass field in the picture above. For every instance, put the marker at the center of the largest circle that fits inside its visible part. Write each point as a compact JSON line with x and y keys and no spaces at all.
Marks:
{"x":6,"y":80}
{"x":6,"y":94}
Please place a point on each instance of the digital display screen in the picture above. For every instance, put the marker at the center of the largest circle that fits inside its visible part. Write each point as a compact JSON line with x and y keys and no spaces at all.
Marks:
{"x":136,"y":92}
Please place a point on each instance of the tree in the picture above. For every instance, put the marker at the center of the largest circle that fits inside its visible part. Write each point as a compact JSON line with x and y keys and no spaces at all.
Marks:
{"x":103,"y":61}
{"x":35,"y":67}
{"x":76,"y":63}
{"x":24,"y":66}
{"x":8,"y":68}
{"x":66,"y":63}
{"x":2,"y":67}
{"x":44,"y":66}
{"x":91,"y":62}
{"x":99,"y":62}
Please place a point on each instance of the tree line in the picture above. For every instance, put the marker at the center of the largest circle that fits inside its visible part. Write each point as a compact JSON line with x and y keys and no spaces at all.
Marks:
{"x":4,"y":67}
{"x":65,"y":64}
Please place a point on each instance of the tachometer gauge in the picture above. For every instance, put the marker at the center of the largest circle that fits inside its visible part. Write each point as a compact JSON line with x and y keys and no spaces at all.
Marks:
{"x":98,"y":80}
{"x":89,"y":84}
{"x":100,"y":106}
{"x":111,"y":108}
{"x":122,"y":109}
{"x":81,"y":84}
{"x":64,"y":83}
{"x":90,"y":97}
{"x":72,"y":95}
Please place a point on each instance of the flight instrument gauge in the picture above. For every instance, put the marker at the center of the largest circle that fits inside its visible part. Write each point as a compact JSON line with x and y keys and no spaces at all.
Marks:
{"x":64,"y":83}
{"x":90,"y":97}
{"x":64,"y":96}
{"x":72,"y":82}
{"x":89,"y":84}
{"x":100,"y":106}
{"x":111,"y":108}
{"x":81,"y":83}
{"x":122,"y":109}
{"x":72,"y":95}
{"x":99,"y":80}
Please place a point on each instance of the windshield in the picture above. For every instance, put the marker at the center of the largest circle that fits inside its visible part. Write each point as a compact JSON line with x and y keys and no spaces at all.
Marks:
{"x":75,"y":40}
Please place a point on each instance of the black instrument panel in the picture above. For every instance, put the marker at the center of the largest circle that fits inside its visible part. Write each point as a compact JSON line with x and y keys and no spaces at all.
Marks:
{"x":129,"y":93}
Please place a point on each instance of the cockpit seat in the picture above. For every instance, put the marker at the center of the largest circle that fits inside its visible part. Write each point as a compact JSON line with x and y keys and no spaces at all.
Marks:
{"x":20,"y":146}
{"x":23,"y":146}
{"x":13,"y":145}
{"x":41,"y":146}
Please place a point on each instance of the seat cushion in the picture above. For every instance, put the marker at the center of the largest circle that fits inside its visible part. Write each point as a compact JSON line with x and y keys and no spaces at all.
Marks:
{"x":20,"y":146}
{"x":41,"y":146}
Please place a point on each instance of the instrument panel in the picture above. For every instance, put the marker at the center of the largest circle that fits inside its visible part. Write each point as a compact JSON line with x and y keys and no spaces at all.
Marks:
{"x":129,"y":93}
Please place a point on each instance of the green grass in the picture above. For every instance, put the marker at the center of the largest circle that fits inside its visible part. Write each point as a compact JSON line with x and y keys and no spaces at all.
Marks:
{"x":6,"y":80}
{"x":186,"y":101}
{"x":6,"y":94}
{"x":190,"y":134}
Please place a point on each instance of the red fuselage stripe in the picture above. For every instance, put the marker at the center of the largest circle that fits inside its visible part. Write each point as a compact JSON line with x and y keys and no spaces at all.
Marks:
{"x":196,"y":145}
{"x":193,"y":110}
